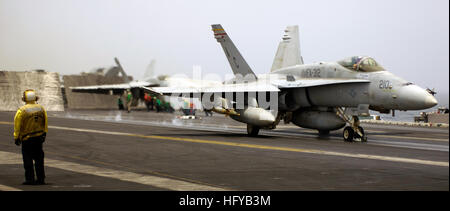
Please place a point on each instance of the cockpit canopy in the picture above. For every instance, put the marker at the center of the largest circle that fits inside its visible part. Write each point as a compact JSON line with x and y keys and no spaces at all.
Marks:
{"x":361,"y":64}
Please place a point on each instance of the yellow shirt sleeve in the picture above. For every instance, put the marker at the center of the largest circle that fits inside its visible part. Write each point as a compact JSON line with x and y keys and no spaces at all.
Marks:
{"x":17,"y":123}
{"x":46,"y":120}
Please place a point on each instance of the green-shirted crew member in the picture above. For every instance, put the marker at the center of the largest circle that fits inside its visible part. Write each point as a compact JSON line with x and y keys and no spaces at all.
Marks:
{"x":158,"y":105}
{"x":30,"y":129}
{"x":129,"y":100}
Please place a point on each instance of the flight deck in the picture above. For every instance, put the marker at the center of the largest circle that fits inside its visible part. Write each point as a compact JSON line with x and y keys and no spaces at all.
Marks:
{"x":114,"y":150}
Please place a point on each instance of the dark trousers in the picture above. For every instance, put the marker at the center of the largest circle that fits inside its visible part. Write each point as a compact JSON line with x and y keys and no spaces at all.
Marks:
{"x":149,"y":105}
{"x":32,"y":151}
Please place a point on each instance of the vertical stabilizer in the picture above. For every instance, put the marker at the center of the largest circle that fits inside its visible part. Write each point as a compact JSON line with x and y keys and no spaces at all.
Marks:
{"x":237,"y":62}
{"x":288,"y":53}
{"x":150,"y":71}
{"x":125,"y":76}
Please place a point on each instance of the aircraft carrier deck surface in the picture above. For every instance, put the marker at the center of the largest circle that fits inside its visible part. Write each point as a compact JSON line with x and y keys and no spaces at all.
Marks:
{"x":113,"y":150}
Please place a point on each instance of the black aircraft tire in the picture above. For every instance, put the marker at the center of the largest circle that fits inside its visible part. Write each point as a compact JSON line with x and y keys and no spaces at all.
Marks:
{"x":364,"y":138}
{"x":362,"y":131}
{"x":348,"y":134}
{"x":252,"y":130}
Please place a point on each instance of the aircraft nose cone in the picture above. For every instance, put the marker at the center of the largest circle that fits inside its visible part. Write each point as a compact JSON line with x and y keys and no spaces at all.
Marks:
{"x":414,"y":97}
{"x":430,"y":101}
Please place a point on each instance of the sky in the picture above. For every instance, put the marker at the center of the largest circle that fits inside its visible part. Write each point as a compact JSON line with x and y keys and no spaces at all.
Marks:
{"x":409,"y":38}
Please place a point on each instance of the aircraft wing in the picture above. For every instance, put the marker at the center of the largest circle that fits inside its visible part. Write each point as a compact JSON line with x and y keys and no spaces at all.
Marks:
{"x":226,"y":88}
{"x":284,"y":84}
{"x":107,"y":88}
{"x":274,"y":86}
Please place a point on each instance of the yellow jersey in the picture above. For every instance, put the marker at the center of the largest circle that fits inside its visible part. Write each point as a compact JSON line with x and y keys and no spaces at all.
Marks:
{"x":30,"y":121}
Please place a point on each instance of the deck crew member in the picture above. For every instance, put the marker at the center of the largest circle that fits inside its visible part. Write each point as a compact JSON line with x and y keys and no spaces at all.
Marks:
{"x":30,"y":130}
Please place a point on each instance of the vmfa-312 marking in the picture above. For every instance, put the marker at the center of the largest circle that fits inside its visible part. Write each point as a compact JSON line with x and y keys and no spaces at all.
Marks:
{"x":324,"y":96}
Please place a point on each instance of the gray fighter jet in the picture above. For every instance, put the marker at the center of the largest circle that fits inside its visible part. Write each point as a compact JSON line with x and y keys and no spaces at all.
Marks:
{"x":324,"y":96}
{"x":136,"y":86}
{"x":120,"y":88}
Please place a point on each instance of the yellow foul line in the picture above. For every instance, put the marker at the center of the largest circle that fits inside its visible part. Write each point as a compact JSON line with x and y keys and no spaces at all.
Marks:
{"x":265,"y":147}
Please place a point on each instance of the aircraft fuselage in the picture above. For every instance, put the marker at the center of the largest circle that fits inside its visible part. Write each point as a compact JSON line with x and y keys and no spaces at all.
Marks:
{"x":384,"y":91}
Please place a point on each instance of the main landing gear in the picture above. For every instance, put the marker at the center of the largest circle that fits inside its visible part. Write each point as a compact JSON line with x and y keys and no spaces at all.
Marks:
{"x":252,"y":130}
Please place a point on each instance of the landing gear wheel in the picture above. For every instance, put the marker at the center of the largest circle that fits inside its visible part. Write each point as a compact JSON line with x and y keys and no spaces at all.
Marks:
{"x":252,"y":130}
{"x":348,"y":134}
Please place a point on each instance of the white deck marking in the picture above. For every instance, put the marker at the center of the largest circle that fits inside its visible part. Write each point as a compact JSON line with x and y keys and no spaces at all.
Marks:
{"x":160,"y":182}
{"x":7,"y":188}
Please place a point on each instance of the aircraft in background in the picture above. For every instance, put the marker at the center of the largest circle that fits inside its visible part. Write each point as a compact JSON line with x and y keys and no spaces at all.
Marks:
{"x":324,"y":96}
{"x":136,"y":87}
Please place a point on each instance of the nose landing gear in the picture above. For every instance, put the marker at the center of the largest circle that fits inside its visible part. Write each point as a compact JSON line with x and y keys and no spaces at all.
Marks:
{"x":354,"y":132}
{"x":350,"y":134}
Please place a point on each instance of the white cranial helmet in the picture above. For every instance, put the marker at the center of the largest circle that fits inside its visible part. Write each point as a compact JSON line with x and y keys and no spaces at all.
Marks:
{"x":29,"y":95}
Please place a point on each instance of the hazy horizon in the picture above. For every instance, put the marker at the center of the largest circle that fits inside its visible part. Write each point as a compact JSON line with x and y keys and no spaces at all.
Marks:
{"x":408,"y":38}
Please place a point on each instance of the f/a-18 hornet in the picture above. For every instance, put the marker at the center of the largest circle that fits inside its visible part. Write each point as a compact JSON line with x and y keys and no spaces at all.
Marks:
{"x":136,"y":87}
{"x":324,"y":96}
